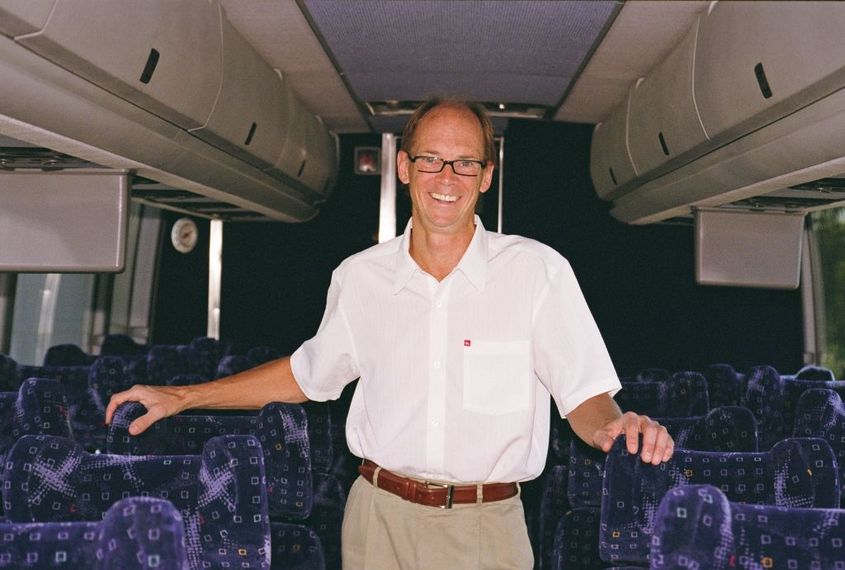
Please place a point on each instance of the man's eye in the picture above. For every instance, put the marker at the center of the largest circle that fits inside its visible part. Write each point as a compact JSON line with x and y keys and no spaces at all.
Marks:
{"x":430,"y":159}
{"x":467,"y":164}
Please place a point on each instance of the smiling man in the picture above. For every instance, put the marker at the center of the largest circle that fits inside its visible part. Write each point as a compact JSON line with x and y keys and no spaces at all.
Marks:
{"x":459,"y":336}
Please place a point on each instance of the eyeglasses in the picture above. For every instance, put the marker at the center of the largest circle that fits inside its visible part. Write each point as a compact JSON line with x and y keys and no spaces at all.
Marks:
{"x":460,"y":166}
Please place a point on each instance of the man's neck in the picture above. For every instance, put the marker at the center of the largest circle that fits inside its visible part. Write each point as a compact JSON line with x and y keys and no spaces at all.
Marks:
{"x":438,"y":253}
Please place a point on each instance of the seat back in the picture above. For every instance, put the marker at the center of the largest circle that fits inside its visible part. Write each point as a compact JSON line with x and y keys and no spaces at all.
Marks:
{"x":67,"y":355}
{"x":231,"y":364}
{"x":683,"y":394}
{"x":795,"y":473}
{"x":9,"y":378}
{"x":136,"y":533}
{"x":726,"y":385}
{"x":122,"y":345}
{"x":730,"y":428}
{"x":281,"y":429}
{"x":220,"y":494}
{"x":698,"y":527}
{"x":765,"y":397}
{"x":821,"y":413}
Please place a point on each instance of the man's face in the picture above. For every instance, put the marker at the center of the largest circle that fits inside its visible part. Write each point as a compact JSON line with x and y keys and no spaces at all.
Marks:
{"x":444,"y":202}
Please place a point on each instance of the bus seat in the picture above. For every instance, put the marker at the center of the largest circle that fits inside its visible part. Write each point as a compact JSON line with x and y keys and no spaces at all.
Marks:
{"x":135,"y":533}
{"x":795,"y":473}
{"x":220,"y":494}
{"x":281,"y":429}
{"x":698,"y":527}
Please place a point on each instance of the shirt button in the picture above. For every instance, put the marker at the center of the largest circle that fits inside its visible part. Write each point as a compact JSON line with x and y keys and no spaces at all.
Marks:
{"x":439,"y":304}
{"x":437,"y":364}
{"x":435,"y":423}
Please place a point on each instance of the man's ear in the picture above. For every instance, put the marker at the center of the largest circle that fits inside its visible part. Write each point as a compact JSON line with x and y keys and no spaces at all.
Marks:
{"x":402,"y":163}
{"x":486,"y":177}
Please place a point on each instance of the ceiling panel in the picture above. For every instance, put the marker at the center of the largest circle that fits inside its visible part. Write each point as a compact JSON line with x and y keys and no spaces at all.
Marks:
{"x":513,"y":51}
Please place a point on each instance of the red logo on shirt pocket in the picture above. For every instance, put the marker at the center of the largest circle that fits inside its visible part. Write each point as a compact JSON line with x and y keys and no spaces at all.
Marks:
{"x":467,"y":342}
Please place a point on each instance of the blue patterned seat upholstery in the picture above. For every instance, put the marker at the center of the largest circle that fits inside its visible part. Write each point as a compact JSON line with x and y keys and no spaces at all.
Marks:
{"x":106,"y":377}
{"x":232,"y":364}
{"x":320,"y":435}
{"x":165,"y":361}
{"x":726,"y":386}
{"x":86,"y":420}
{"x":698,"y":527}
{"x":730,"y":428}
{"x":795,"y":473}
{"x":135,"y":533}
{"x":281,"y":429}
{"x":38,"y":407}
{"x":9,"y":378}
{"x":203,"y":354}
{"x":296,"y":547}
{"x":67,"y":355}
{"x":576,"y":541}
{"x":221,"y":494}
{"x":684,"y":394}
{"x":553,"y":505}
{"x":294,"y":492}
{"x":821,"y":413}
{"x":766,"y":399}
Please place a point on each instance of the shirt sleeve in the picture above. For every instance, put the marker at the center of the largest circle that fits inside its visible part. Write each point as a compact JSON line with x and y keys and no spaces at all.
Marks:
{"x":570,"y":356}
{"x":327,"y":362}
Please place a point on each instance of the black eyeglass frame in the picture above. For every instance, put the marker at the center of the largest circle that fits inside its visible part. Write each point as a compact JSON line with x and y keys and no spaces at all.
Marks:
{"x":451,"y":163}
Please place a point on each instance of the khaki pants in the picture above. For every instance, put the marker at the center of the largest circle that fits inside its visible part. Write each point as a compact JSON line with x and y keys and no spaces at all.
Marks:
{"x":384,"y":532}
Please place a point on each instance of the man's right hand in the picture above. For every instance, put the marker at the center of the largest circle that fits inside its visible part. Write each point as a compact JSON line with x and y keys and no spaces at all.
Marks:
{"x":160,"y":401}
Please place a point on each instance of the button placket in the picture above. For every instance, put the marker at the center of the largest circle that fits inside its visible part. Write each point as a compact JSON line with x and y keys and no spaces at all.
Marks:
{"x":438,"y":332}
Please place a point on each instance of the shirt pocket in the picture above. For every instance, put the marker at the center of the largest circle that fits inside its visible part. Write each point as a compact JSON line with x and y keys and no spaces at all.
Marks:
{"x":496,"y":376}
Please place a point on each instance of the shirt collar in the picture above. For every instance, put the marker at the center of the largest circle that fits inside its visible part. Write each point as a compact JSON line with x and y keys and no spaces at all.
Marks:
{"x":473,"y":264}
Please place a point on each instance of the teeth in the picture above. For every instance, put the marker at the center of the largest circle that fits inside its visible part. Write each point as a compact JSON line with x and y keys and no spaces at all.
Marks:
{"x":444,"y":197}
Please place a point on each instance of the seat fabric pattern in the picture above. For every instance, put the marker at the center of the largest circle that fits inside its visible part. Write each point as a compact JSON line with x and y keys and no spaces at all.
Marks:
{"x":795,"y":473}
{"x":726,"y":386}
{"x":576,"y":541}
{"x":295,"y":547}
{"x":220,"y":494}
{"x":281,"y":429}
{"x":821,"y":413}
{"x":684,"y":394}
{"x":698,"y":527}
{"x":136,"y":533}
{"x":86,"y":420}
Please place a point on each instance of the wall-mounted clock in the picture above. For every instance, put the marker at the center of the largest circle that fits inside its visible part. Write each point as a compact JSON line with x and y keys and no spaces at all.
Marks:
{"x":184,"y":235}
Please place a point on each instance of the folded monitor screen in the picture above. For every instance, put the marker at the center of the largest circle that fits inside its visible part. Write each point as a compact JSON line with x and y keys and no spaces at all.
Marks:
{"x":63,"y":222}
{"x":748,"y":249}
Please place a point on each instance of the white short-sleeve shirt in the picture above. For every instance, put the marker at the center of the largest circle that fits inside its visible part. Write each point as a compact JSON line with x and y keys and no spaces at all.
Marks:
{"x":455,"y":376}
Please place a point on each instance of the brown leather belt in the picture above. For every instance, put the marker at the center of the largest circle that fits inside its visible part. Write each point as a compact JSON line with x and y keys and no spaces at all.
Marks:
{"x":435,"y":494}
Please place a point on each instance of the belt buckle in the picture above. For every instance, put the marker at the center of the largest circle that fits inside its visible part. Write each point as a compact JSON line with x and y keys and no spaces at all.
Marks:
{"x":450,"y":491}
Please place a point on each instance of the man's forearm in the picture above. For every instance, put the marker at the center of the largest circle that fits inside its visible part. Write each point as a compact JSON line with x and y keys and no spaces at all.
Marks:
{"x":591,"y":415}
{"x":251,"y":389}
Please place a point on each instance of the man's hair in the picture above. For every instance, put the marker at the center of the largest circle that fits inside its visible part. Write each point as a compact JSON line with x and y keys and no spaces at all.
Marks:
{"x":477,"y":110}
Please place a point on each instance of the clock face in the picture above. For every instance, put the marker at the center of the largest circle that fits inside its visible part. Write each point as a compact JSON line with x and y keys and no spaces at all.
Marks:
{"x":184,"y":235}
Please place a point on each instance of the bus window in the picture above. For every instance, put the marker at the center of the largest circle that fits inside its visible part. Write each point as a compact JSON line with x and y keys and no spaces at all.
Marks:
{"x":829,"y":230}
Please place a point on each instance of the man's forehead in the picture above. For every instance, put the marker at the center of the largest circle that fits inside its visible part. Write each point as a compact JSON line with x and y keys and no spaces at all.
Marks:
{"x":450,"y":122}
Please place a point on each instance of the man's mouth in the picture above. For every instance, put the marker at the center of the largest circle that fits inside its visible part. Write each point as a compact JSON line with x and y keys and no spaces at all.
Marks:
{"x":443,"y":197}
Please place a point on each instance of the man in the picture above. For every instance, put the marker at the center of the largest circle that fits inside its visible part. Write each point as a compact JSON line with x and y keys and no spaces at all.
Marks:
{"x":458,"y":336}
